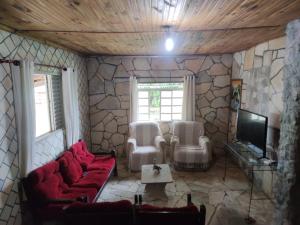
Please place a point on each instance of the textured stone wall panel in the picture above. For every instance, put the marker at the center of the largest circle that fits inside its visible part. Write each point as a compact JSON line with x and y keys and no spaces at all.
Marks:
{"x":287,"y":196}
{"x":109,"y":95}
{"x":261,"y":69}
{"x":16,"y":47}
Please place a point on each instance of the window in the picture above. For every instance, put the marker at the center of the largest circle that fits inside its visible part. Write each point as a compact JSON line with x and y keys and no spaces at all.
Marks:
{"x":160,"y":101}
{"x":48,"y":103}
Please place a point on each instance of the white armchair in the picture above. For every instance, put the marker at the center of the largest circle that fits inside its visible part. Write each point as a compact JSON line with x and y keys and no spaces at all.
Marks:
{"x":189,"y":148}
{"x":145,"y":143}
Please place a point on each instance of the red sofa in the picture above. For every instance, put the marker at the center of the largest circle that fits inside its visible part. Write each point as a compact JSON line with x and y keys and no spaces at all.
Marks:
{"x":76,"y":176}
{"x":188,"y":215}
{"x":101,"y":213}
{"x":123,"y":212}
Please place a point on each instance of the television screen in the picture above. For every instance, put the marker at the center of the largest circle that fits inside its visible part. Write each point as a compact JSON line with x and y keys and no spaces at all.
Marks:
{"x":252,"y":129}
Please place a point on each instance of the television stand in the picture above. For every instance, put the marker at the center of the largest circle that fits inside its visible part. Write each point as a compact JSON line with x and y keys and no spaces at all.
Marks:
{"x":252,"y":162}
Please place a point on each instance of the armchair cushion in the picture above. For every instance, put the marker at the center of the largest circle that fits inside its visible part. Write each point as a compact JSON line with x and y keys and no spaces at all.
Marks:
{"x":188,"y":132}
{"x":144,"y":132}
{"x":144,"y":145}
{"x":189,"y":149}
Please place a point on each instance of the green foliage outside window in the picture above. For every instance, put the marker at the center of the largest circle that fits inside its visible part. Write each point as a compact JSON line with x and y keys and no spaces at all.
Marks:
{"x":154,"y":98}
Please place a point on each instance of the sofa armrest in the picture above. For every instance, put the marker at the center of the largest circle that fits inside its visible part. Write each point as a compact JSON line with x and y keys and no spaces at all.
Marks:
{"x":111,"y":152}
{"x":83,"y":199}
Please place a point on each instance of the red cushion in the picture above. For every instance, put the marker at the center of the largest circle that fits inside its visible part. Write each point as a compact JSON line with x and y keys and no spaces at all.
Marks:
{"x":73,"y":193}
{"x":102,"y":163}
{"x":82,"y":154}
{"x":70,"y":168}
{"x":94,"y":179}
{"x":45,"y":182}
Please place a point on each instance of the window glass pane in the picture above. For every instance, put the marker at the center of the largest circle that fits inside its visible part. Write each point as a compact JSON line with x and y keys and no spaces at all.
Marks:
{"x":166,"y":109}
{"x":166,"y":94}
{"x":143,"y":94}
{"x":154,"y":116}
{"x":177,"y":109}
{"x":165,"y":101}
{"x":176,"y":116}
{"x":177,"y":101}
{"x":166,"y":117}
{"x":177,"y":94}
{"x":143,"y":102}
{"x":143,"y":117}
{"x":154,"y":113}
{"x":42,"y":113}
{"x":160,"y":101}
{"x":143,"y":109}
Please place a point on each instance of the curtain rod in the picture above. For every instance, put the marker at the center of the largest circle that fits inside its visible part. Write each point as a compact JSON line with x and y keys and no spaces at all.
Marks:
{"x":58,"y":67}
{"x":15,"y":62}
{"x":145,"y":77}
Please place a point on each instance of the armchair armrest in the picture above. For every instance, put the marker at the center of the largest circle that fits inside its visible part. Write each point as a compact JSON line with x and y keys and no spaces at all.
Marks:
{"x":203,"y":140}
{"x":159,"y":142}
{"x":131,"y":144}
{"x":173,"y":142}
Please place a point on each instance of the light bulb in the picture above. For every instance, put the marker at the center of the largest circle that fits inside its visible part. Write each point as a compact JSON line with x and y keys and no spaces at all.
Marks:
{"x":169,"y":44}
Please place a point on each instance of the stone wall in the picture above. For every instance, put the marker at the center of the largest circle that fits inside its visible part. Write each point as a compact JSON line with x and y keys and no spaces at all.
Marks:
{"x":261,"y":68}
{"x":287,"y":196}
{"x":109,"y":93}
{"x":16,"y":47}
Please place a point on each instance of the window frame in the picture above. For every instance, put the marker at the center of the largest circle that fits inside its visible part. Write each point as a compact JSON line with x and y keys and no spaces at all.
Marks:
{"x":50,"y":105}
{"x":160,"y":90}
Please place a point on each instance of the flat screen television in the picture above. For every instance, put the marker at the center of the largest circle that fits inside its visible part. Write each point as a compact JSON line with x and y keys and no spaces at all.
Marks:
{"x":252,"y":131}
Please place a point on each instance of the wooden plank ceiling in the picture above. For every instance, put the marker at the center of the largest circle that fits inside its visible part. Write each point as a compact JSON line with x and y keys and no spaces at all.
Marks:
{"x":134,"y":27}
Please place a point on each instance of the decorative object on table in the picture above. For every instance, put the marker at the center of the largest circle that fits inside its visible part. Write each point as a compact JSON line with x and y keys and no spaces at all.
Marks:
{"x":156,"y":168}
{"x":236,"y":94}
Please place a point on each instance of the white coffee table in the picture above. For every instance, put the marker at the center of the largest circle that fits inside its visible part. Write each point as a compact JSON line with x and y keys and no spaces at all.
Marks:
{"x":156,"y":182}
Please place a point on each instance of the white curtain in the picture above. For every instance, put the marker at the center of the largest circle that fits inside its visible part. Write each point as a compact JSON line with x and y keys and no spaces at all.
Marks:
{"x":188,"y":107}
{"x":25,"y":113}
{"x":70,"y":102}
{"x":133,"y":99}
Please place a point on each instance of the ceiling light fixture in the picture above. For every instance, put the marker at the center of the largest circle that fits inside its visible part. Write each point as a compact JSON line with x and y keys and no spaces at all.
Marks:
{"x":169,"y":42}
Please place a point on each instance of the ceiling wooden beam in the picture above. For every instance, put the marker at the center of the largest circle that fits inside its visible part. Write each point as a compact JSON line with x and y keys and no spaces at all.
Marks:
{"x":141,"y":32}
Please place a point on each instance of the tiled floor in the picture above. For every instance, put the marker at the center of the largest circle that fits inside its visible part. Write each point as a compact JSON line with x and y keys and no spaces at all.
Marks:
{"x":226,"y":202}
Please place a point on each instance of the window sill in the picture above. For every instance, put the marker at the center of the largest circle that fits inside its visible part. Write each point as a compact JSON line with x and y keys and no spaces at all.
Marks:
{"x":159,"y":121}
{"x":47,"y":135}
